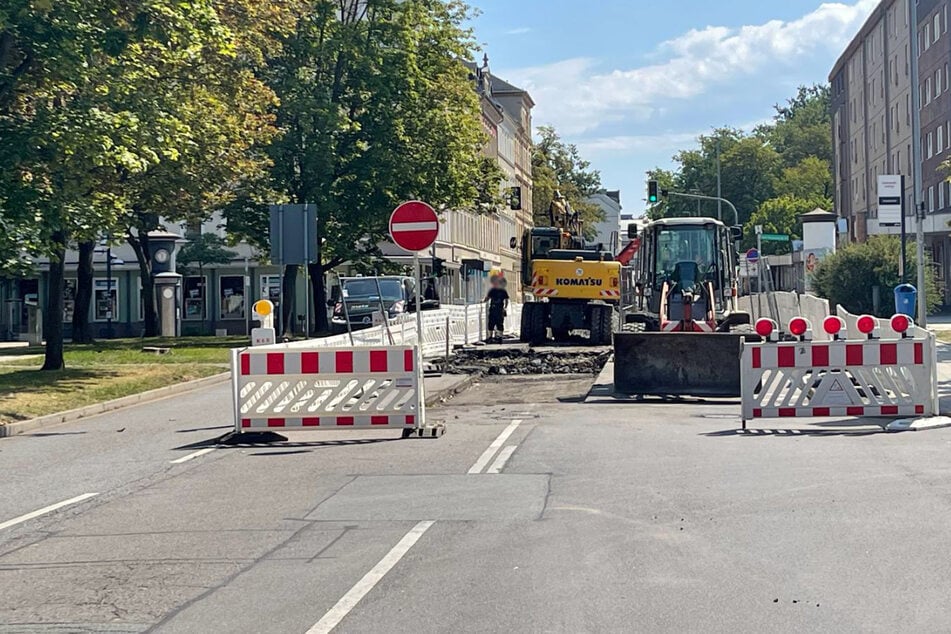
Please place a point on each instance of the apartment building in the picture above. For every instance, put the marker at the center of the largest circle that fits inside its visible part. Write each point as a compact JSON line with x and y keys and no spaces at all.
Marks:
{"x":871,"y":122}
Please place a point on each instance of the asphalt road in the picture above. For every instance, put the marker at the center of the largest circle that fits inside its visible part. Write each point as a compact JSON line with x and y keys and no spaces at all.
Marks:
{"x":580,"y":517}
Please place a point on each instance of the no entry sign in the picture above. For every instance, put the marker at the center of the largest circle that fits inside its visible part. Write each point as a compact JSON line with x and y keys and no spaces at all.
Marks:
{"x":414,"y":226}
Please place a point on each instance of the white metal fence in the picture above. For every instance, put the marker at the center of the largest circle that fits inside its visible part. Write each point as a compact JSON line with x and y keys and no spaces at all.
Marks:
{"x":448,"y":326}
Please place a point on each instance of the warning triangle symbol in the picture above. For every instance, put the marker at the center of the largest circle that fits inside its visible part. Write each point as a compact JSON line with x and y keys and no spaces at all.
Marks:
{"x":836,"y":386}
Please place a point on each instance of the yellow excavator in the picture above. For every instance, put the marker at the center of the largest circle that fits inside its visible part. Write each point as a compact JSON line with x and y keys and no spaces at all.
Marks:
{"x":575,"y":286}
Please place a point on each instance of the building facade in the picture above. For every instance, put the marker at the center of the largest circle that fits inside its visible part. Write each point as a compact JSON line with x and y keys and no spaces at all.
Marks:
{"x":609,"y":230}
{"x":872,"y":123}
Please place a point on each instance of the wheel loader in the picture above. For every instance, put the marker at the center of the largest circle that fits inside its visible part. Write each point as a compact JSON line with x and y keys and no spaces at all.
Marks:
{"x":685,"y":297}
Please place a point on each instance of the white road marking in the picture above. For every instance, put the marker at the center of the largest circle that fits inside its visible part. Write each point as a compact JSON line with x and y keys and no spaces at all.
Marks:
{"x":338,"y":612}
{"x":488,"y":453}
{"x":46,"y":509}
{"x":193,"y":455}
{"x":501,"y":459}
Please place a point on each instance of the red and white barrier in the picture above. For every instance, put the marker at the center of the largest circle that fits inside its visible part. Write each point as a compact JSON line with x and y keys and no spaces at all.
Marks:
{"x":866,"y":377}
{"x":372,"y":387}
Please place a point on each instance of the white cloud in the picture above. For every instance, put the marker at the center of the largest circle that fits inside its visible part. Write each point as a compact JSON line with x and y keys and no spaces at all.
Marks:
{"x":522,"y":30}
{"x":577,"y":97}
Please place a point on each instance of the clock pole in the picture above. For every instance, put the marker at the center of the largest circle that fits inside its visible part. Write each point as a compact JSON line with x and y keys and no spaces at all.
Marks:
{"x":109,"y":287}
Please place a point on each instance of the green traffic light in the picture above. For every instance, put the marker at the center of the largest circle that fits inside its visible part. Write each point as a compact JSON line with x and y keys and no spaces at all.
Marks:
{"x":653,"y":199}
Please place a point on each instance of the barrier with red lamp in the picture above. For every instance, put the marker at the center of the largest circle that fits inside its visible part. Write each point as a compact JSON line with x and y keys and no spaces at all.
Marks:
{"x":872,"y":376}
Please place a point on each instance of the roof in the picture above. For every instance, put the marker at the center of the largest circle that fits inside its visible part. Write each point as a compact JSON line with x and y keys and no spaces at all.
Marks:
{"x":682,"y":222}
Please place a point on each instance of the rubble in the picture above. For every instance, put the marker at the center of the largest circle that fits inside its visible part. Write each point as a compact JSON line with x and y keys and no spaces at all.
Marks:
{"x":523,"y":360}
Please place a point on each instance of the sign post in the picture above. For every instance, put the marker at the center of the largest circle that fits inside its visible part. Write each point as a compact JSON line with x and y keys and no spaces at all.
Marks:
{"x":414,"y":227}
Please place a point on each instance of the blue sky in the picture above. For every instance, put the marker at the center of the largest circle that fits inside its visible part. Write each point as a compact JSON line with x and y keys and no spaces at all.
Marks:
{"x":633,"y":81}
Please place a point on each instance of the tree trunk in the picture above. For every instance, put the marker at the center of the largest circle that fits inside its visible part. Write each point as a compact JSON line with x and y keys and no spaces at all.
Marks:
{"x":82,"y":332}
{"x":140,"y":244}
{"x":289,"y":283}
{"x":53,"y":315}
{"x":316,"y":272}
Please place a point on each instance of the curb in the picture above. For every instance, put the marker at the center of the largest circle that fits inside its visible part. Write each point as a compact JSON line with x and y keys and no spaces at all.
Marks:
{"x":440,"y":395}
{"x":19,"y":427}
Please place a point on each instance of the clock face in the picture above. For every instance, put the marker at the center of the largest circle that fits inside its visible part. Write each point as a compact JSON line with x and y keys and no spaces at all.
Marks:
{"x":161,"y":256}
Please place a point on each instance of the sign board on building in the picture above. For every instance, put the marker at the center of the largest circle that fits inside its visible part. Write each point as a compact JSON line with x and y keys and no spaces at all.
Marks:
{"x":891,"y":189}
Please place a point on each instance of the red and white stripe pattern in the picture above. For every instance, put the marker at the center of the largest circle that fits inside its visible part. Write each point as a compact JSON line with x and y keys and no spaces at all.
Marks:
{"x":610,"y":294}
{"x":687,"y":326}
{"x":836,"y":354}
{"x":839,"y":378}
{"x":546,"y":292}
{"x":328,"y":388}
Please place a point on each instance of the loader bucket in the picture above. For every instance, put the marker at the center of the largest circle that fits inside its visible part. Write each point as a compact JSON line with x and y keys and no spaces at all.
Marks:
{"x":677,"y":364}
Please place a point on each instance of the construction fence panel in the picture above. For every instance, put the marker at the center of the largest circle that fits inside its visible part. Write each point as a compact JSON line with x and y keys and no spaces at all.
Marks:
{"x":319,"y":388}
{"x":839,"y":378}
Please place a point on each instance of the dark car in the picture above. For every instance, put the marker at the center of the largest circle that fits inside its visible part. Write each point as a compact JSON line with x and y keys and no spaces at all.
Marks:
{"x":363,"y":298}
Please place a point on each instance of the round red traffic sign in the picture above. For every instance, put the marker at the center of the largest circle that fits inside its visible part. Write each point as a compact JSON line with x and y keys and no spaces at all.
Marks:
{"x":414,"y":226}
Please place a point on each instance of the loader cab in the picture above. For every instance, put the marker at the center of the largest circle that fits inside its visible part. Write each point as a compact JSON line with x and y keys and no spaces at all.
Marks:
{"x":685,"y":253}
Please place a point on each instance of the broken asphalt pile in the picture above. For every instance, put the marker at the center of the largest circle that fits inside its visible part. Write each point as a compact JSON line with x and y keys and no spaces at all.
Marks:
{"x":504,"y":361}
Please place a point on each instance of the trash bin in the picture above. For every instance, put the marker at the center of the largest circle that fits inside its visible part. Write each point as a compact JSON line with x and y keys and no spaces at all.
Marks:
{"x":906,"y":296}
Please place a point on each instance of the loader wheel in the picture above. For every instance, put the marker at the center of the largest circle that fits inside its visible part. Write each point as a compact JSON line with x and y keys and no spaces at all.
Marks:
{"x":538,"y":329}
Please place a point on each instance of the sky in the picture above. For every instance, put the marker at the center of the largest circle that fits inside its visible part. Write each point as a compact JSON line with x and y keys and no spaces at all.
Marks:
{"x":631,"y":82}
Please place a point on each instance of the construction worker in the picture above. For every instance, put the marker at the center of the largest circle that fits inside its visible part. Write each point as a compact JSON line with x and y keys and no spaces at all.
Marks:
{"x":498,"y":299}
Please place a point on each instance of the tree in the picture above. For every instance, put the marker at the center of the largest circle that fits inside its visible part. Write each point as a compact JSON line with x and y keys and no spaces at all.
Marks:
{"x":810,"y":178}
{"x":375,"y":108}
{"x":558,"y":166}
{"x":848,"y":276}
{"x":779,"y":215}
{"x":803,"y":126}
{"x":204,"y":249}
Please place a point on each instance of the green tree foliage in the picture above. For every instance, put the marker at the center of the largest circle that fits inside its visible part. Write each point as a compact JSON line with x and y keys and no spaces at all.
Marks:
{"x":558,"y":166}
{"x":779,"y":215}
{"x":667,"y":180}
{"x":376,"y":107}
{"x":789,"y":158}
{"x":203,"y":250}
{"x":848,"y":276}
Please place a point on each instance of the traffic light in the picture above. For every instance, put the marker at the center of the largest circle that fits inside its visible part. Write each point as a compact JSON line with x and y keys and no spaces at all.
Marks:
{"x":652,"y":196}
{"x":515,"y":199}
{"x":437,"y":267}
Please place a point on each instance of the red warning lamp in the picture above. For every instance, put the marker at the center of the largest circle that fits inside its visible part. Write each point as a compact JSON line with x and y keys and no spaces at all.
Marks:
{"x":765,"y":327}
{"x":900,"y":323}
{"x":833,"y":325}
{"x":866,"y":324}
{"x":799,"y":326}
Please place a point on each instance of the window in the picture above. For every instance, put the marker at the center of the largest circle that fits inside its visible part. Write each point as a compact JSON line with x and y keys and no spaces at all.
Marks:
{"x":937,"y":26}
{"x":906,"y":60}
{"x":194,"y":289}
{"x":69,"y":300}
{"x":947,"y":80}
{"x":908,"y":109}
{"x":927,"y":36}
{"x":908,"y":157}
{"x":231,"y":296}
{"x":940,"y":139}
{"x":930,"y":144}
{"x":931,"y":198}
{"x":897,"y":165}
{"x":105,"y":299}
{"x":271,"y":289}
{"x":927,"y":98}
{"x":941,"y":196}
{"x":937,"y":82}
{"x":883,"y":129}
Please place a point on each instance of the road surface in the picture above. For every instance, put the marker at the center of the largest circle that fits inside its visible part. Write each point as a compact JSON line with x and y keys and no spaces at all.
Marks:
{"x":536,"y":512}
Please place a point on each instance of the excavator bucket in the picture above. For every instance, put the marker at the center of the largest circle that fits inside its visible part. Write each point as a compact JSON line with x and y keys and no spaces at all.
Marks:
{"x":677,"y":364}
